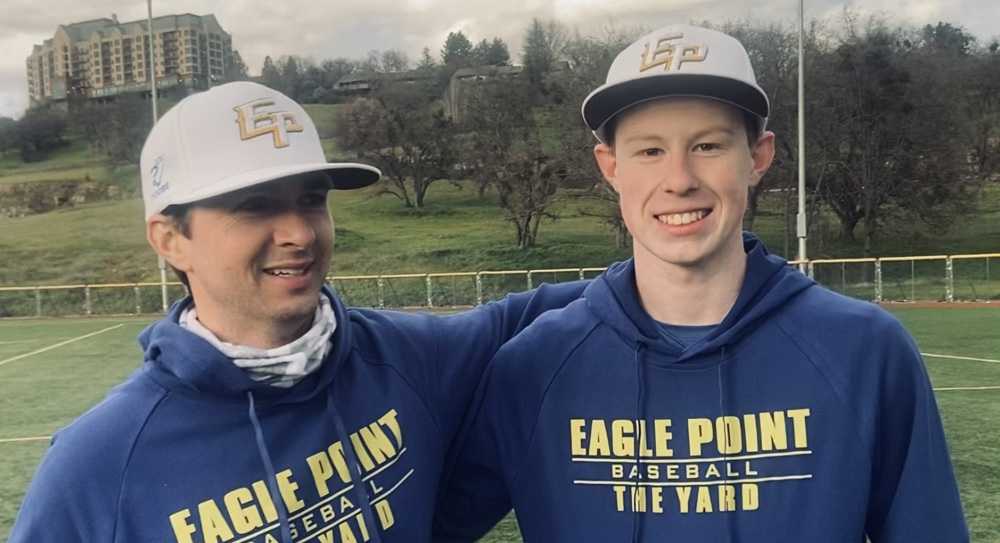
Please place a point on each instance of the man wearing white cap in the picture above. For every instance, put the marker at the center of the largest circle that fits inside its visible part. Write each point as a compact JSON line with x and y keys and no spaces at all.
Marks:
{"x":703,"y":390}
{"x":265,"y":410}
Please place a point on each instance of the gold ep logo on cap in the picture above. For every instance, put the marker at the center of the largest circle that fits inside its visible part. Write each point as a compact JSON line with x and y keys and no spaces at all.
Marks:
{"x":277,"y":123}
{"x":665,"y":53}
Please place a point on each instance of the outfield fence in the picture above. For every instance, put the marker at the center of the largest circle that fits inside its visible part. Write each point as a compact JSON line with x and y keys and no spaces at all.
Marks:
{"x":944,"y":278}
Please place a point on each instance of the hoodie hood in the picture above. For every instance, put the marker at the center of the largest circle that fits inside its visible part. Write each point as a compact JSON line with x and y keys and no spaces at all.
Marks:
{"x":184,"y":362}
{"x":181,"y":360}
{"x":767,"y":285}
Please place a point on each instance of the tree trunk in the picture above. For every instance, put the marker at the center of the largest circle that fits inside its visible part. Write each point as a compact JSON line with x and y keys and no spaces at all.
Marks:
{"x":520,"y":233}
{"x":847,"y":229}
{"x":420,"y":191}
{"x":534,"y":230}
{"x":526,"y":233}
{"x":869,"y":235}
{"x":404,"y":194}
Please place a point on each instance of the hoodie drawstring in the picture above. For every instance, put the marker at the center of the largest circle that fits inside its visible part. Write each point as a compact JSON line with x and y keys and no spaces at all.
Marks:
{"x":640,"y":417}
{"x":360,"y":493}
{"x":272,"y":477}
{"x":728,"y":518}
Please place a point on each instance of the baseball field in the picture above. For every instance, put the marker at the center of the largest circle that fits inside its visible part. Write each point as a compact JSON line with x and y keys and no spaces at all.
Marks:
{"x":52,"y":370}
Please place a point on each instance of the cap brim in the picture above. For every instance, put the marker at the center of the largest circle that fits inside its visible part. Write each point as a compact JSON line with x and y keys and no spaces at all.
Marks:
{"x":611,"y":99}
{"x":342,"y":175}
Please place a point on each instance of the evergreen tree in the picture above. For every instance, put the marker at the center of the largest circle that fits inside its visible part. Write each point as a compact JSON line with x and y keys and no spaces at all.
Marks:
{"x":498,"y":53}
{"x":270,"y":75}
{"x":490,"y":53}
{"x":457,"y":50}
{"x":543,"y":43}
{"x":237,"y":69}
{"x":291,"y":77}
{"x":427,"y":62}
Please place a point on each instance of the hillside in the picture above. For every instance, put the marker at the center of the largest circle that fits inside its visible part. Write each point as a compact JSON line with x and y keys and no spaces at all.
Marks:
{"x":104,"y":241}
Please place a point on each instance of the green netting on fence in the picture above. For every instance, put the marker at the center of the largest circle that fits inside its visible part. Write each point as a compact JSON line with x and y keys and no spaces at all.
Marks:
{"x":357,"y":292}
{"x":907,"y":281}
{"x":931,"y":278}
{"x":977,"y":279}
{"x":495,"y":286}
{"x":453,"y":291}
{"x":18,"y":303}
{"x":854,"y":279}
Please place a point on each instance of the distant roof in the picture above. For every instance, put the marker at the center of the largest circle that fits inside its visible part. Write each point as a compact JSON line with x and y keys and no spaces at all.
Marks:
{"x":105,"y":27}
{"x":487,"y":71}
{"x":83,"y":30}
{"x":357,"y":77}
{"x":365,"y":76}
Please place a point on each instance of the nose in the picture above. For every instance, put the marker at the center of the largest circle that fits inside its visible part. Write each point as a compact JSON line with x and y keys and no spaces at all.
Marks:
{"x":293,"y":228}
{"x":677,"y":176}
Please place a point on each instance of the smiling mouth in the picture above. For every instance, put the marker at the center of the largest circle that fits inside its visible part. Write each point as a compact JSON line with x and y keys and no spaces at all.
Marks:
{"x":288,"y":272}
{"x":681,"y":219}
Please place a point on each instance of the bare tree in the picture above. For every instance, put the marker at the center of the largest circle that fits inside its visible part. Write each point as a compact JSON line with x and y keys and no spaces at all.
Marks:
{"x":403,"y":130}
{"x":39,"y":132}
{"x":395,"y":60}
{"x":888,"y":143}
{"x":116,"y":129}
{"x":589,"y":58}
{"x":982,"y":110}
{"x":772,"y":50}
{"x":504,"y":147}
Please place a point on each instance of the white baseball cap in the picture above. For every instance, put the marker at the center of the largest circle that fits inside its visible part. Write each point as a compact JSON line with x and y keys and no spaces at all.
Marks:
{"x":677,"y":60}
{"x":231,"y":137}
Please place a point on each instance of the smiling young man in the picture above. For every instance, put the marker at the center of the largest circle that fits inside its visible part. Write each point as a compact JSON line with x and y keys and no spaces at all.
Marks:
{"x":702,"y":390}
{"x":265,"y":410}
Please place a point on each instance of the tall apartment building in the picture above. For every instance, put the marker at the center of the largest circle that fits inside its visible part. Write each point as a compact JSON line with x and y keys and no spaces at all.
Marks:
{"x":103,"y":57}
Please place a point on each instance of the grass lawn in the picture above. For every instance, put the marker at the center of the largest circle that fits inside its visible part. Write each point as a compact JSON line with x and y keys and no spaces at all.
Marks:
{"x":456,"y":231}
{"x":75,"y":162}
{"x":42,"y":392}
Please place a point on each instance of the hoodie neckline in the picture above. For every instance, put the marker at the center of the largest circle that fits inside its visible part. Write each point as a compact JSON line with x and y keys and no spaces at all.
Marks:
{"x":186,"y":363}
{"x":768,"y":283}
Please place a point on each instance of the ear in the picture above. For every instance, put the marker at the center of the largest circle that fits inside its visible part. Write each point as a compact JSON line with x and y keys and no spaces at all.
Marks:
{"x":168,"y":242}
{"x":607,"y":163}
{"x":762,"y":154}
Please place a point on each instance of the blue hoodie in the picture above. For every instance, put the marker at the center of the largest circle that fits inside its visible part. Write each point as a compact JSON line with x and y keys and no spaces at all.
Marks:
{"x":804,"y":416}
{"x":190,"y":449}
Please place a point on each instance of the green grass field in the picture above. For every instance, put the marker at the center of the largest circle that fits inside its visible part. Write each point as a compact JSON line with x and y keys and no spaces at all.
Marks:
{"x":41,"y":392}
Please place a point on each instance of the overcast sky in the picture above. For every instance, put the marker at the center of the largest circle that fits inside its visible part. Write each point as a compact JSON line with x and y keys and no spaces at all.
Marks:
{"x":327,"y":29}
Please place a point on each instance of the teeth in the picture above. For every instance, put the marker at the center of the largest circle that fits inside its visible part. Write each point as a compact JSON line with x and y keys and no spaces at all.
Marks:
{"x":679,"y":219}
{"x":285,"y":272}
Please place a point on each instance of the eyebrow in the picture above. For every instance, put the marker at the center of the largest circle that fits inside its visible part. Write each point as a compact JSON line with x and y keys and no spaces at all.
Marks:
{"x":642,"y":137}
{"x":728,"y":130}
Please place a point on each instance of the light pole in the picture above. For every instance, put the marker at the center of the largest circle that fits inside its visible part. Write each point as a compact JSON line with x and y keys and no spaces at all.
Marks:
{"x":151,"y":67}
{"x":801,"y":219}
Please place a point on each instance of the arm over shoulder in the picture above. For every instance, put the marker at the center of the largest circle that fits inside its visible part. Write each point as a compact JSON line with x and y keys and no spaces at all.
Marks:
{"x":467,"y":341}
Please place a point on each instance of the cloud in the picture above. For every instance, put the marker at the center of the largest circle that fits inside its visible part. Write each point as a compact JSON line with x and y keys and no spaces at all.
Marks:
{"x":323,"y":30}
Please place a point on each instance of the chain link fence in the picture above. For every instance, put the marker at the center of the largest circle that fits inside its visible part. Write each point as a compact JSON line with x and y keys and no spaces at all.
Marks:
{"x":904,"y":279}
{"x":942,"y":278}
